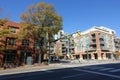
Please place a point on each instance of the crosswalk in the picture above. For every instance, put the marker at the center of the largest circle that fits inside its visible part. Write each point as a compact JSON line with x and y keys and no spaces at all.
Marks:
{"x":99,"y":68}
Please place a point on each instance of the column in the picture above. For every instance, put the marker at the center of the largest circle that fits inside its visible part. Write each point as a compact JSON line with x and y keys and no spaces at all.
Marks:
{"x":92,"y":56}
{"x":81,"y":57}
{"x":104,"y":56}
{"x":99,"y":55}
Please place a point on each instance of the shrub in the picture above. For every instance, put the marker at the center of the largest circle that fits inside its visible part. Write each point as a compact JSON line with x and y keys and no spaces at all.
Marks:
{"x":46,"y":63}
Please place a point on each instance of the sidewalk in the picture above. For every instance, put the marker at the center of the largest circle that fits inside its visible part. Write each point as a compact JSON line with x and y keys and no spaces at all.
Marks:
{"x":27,"y":68}
{"x":94,"y":61}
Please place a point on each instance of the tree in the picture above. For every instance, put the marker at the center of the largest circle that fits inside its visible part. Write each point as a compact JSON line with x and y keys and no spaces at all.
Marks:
{"x":5,"y":32}
{"x":57,"y":50}
{"x":2,"y":22}
{"x":45,"y":23}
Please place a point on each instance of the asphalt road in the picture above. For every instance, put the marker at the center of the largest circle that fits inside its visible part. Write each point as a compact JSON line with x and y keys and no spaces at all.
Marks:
{"x":94,"y":72}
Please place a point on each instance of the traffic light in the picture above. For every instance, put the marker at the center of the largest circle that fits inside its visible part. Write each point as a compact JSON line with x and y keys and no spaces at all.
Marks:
{"x":79,"y":34}
{"x":68,"y":37}
{"x":60,"y":39}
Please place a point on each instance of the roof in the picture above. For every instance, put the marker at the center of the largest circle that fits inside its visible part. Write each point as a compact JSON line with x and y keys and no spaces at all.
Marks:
{"x":14,"y":24}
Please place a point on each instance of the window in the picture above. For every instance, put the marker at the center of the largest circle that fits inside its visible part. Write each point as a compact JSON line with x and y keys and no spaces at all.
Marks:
{"x":113,"y":32}
{"x":11,"y":41}
{"x":13,"y":29}
{"x":36,"y":45}
{"x":25,"y":42}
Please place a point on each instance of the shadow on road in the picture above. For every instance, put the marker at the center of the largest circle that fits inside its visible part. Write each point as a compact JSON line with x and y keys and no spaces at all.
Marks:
{"x":54,"y":72}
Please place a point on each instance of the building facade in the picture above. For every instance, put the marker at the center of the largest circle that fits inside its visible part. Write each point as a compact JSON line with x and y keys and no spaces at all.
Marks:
{"x":95,"y":43}
{"x":64,"y":45}
{"x":117,"y":44}
{"x":17,"y":51}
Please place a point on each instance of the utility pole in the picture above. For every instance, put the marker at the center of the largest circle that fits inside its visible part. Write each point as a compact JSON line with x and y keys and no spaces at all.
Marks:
{"x":49,"y":53}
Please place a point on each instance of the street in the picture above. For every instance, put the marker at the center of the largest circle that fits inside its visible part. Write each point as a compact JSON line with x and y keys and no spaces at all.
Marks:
{"x":91,"y":72}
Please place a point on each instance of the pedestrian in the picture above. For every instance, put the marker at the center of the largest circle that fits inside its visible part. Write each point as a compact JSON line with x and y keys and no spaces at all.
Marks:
{"x":4,"y":66}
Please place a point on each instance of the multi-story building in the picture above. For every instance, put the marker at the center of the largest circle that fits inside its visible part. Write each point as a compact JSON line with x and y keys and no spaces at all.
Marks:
{"x":117,"y":48}
{"x":95,"y":43}
{"x":65,"y":44}
{"x":117,"y":44}
{"x":17,"y":51}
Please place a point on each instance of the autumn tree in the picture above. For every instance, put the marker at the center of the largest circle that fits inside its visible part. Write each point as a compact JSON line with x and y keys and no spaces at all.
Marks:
{"x":45,"y":23}
{"x":57,"y":50}
{"x":4,"y":34}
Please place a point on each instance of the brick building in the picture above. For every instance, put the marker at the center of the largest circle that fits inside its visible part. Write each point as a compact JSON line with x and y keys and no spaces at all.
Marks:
{"x":17,"y":51}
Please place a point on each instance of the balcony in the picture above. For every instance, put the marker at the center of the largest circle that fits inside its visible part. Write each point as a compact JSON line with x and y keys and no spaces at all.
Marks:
{"x":117,"y":49}
{"x":102,"y":42}
{"x":117,"y":45}
{"x":63,"y":49}
{"x":63,"y":52}
{"x":92,"y":48}
{"x":71,"y":47}
{"x":93,"y":43}
{"x":93,"y":38}
{"x":63,"y":45}
{"x":104,"y":48}
{"x":101,"y":37}
{"x":72,"y":51}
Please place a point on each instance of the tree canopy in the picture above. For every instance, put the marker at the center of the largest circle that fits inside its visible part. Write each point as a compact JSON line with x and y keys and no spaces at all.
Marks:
{"x":44,"y":23}
{"x":4,"y":33}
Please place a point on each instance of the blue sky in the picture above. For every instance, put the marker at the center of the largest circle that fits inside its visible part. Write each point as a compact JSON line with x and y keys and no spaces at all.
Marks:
{"x":77,"y":14}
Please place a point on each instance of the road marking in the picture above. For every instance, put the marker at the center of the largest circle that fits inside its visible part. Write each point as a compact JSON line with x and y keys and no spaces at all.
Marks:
{"x":116,"y":70}
{"x":105,"y":69}
{"x":73,"y":75}
{"x":104,"y":74}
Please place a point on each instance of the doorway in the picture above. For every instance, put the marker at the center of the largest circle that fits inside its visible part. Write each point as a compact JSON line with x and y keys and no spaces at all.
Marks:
{"x":24,"y":56}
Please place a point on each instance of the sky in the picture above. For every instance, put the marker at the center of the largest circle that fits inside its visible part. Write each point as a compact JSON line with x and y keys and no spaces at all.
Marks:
{"x":76,"y":14}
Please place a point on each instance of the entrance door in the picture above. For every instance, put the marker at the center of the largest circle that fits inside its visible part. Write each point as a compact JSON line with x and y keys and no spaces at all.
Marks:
{"x":95,"y":55}
{"x":24,"y":55}
{"x":108,"y":55}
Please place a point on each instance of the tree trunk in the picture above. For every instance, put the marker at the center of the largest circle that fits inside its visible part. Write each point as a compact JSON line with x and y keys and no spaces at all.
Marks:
{"x":39,"y":58}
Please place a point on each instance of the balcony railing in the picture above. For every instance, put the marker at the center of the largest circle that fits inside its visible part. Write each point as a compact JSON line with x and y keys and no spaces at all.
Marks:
{"x":93,"y":37}
{"x":102,"y":42}
{"x":101,"y":37}
{"x":104,"y":48}
{"x":93,"y":42}
{"x":92,"y":48}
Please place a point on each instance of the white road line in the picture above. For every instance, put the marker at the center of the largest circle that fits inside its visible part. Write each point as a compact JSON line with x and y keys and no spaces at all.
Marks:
{"x":105,"y":69}
{"x":116,"y":70}
{"x":74,"y":75}
{"x":99,"y":73}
